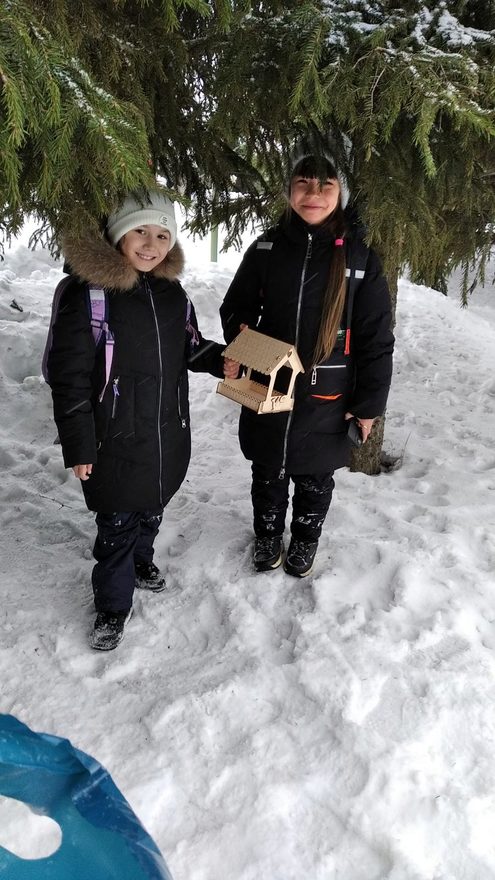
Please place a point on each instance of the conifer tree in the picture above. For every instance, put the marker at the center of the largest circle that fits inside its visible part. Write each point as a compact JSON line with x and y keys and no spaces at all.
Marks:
{"x":66,"y":143}
{"x":215,"y":95}
{"x":95,"y":97}
{"x":404,"y":98}
{"x":82,"y":89}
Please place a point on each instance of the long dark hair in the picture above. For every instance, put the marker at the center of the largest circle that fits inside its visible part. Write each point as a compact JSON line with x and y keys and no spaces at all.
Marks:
{"x":321,"y":167}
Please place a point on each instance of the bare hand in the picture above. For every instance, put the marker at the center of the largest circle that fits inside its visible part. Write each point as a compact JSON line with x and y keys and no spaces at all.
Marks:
{"x":82,"y":471}
{"x":230,"y":368}
{"x":365,"y":425}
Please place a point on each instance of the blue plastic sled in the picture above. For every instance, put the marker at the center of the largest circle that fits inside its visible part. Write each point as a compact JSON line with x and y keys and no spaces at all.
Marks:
{"x":102,"y":839}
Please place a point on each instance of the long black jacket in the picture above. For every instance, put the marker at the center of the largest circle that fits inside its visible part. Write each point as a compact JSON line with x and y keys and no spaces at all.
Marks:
{"x":279,"y":289}
{"x":138,"y":436}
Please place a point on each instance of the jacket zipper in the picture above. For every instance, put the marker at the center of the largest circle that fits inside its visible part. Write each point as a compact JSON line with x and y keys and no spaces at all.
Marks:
{"x":325,"y":367}
{"x":307,"y":258}
{"x":116,"y":395}
{"x":179,"y":407}
{"x":160,"y":386}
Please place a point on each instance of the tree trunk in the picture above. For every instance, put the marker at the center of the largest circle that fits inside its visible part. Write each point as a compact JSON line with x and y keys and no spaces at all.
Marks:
{"x":367,"y":459}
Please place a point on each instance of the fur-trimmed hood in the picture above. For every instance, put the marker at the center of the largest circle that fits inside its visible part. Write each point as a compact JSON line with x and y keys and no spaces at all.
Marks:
{"x":93,"y":259}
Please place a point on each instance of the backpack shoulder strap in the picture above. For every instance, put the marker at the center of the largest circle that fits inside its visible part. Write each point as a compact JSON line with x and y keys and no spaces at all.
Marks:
{"x":97,"y":307}
{"x":264,"y":247}
{"x":97,"y":301}
{"x":357,"y":253}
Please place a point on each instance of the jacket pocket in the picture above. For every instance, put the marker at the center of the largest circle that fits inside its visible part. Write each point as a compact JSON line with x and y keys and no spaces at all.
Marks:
{"x":329,"y":382}
{"x":121,"y":423}
{"x":183,"y":400}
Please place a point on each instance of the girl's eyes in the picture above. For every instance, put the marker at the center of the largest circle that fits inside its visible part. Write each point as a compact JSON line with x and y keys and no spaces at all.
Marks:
{"x":164,"y":236}
{"x":306,"y":181}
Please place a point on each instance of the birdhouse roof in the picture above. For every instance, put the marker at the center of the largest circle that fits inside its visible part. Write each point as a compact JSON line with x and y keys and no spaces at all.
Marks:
{"x":262,"y":353}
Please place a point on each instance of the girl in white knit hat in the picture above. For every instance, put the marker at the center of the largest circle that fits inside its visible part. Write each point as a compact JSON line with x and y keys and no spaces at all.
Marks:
{"x":121,"y":407}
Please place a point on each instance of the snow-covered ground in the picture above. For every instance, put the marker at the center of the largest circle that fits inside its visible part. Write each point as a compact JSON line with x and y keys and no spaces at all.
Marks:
{"x":262,"y":728}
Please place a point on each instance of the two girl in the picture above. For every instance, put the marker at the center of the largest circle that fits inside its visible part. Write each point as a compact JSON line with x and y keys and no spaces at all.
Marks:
{"x":310,"y":281}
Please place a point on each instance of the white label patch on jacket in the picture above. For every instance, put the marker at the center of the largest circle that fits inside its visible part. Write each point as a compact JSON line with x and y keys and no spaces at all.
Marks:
{"x":264,"y":245}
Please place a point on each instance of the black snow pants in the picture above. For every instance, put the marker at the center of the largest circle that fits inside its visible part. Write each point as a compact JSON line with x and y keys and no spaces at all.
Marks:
{"x":122,"y":540}
{"x":310,"y":502}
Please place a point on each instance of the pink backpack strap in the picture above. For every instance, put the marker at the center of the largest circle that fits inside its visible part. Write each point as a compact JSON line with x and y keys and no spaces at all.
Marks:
{"x":97,"y":303}
{"x":98,"y":310}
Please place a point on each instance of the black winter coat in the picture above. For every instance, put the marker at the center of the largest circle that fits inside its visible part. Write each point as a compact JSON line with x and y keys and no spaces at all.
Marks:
{"x":280,"y":291}
{"x":138,"y":436}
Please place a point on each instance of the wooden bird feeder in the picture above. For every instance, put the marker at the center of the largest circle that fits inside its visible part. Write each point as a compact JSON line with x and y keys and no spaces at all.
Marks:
{"x":265,"y":355}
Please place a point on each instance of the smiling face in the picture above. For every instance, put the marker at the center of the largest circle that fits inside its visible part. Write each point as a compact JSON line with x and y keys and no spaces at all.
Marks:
{"x":145,"y":247}
{"x":312,"y":199}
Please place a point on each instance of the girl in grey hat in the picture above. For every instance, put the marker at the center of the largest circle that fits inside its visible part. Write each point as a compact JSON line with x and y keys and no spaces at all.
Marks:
{"x":123,"y":423}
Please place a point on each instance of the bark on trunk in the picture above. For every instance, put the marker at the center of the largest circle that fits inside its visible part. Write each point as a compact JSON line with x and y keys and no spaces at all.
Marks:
{"x":367,"y":458}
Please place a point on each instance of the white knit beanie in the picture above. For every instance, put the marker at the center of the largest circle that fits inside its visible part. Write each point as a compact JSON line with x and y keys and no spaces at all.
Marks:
{"x":158,"y":210}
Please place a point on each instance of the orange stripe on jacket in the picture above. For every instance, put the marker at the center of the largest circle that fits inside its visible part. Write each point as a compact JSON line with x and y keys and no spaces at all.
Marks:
{"x":327,"y":396}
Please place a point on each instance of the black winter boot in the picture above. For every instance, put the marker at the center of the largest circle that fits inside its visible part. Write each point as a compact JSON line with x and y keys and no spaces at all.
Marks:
{"x":300,"y":557}
{"x":268,"y":552}
{"x":148,"y":577}
{"x":108,"y":630}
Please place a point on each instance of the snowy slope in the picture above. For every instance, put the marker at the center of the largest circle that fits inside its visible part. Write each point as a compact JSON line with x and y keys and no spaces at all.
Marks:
{"x":264,"y":728}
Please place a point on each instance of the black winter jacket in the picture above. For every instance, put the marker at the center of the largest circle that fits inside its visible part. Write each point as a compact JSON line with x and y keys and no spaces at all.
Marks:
{"x":138,"y":436}
{"x":279,"y":290}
